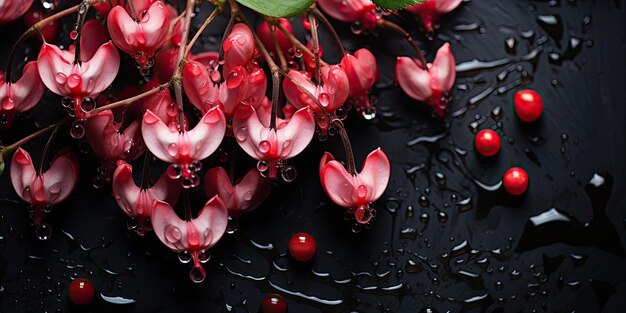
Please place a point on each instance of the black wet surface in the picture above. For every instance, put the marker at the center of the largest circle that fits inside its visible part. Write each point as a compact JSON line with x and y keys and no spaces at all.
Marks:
{"x":446,"y":236}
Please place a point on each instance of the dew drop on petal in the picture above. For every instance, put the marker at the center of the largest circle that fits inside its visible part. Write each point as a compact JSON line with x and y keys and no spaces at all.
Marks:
{"x":172,"y":149}
{"x":172,"y":234}
{"x":362,"y":191}
{"x":242,"y":134}
{"x":60,"y":78}
{"x":174,"y":171}
{"x":74,"y":34}
{"x":324,"y":99}
{"x":264,"y":146}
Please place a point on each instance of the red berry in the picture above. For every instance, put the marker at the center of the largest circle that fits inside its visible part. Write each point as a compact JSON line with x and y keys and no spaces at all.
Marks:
{"x":487,"y":142}
{"x":528,"y":105}
{"x":274,"y":303}
{"x":80,"y":291}
{"x":302,"y":247}
{"x":515,"y":181}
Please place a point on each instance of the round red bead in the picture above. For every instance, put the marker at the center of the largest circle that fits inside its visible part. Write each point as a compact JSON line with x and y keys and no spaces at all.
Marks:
{"x":487,"y":142}
{"x":515,"y":181}
{"x":528,"y":105}
{"x":302,"y":247}
{"x":80,"y":291}
{"x":274,"y":303}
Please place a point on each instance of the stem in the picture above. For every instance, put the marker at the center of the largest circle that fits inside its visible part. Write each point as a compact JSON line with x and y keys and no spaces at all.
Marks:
{"x":186,"y":205}
{"x":273,"y":67}
{"x":393,"y":26}
{"x":279,"y":51}
{"x":84,"y":7}
{"x":206,"y":23}
{"x":45,"y":150}
{"x":145,"y":173}
{"x":333,"y":34}
{"x":10,"y":148}
{"x":131,"y":99}
{"x":131,"y":5}
{"x":176,"y":79}
{"x":229,"y":27}
{"x":345,"y":140}
{"x":295,"y":40}
{"x":316,"y":50}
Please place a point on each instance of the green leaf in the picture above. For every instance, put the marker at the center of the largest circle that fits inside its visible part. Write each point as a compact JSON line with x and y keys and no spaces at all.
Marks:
{"x":278,"y":8}
{"x":396,"y":4}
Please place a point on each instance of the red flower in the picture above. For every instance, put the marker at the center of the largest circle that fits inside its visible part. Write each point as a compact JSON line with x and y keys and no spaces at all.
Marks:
{"x":143,"y":33}
{"x":109,"y":142}
{"x":362,"y":73}
{"x":239,"y":47}
{"x":271,"y":145}
{"x":191,"y":237}
{"x":331,"y":95}
{"x":246,"y":195}
{"x":11,"y":10}
{"x":205,"y":95}
{"x":432,"y":85}
{"x":75,"y":79}
{"x":161,"y":104}
{"x":184,"y":149}
{"x":430,"y":10}
{"x":349,"y":11}
{"x":265,"y":33}
{"x":137,"y":202}
{"x":43,"y":189}
{"x":22,"y":95}
{"x":356,"y":191}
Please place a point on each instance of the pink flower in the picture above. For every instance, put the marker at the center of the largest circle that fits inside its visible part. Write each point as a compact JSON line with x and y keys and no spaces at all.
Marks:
{"x":161,"y":104}
{"x":22,"y":95}
{"x":356,"y":191}
{"x":184,"y":149}
{"x":361,"y":71}
{"x":93,"y":35}
{"x":11,"y":9}
{"x":432,"y":85}
{"x":109,"y":142}
{"x":143,"y":36}
{"x":271,"y":145}
{"x":205,"y":95}
{"x":265,"y":33}
{"x":65,"y":76}
{"x":238,"y":47}
{"x":349,"y":11}
{"x":42,"y":190}
{"x":191,"y":238}
{"x":137,"y":202}
{"x":331,"y":95}
{"x":246,"y":195}
{"x":431,"y":9}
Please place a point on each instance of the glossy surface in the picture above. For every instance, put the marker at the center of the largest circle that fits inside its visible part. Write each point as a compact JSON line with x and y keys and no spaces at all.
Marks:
{"x":447,"y":236}
{"x":302,"y":247}
{"x":528,"y":105}
{"x":487,"y":142}
{"x":80,"y":291}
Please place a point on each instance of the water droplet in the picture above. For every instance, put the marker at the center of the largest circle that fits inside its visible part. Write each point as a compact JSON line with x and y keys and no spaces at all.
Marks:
{"x":184,"y":257}
{"x":88,"y":105}
{"x":289,"y":173}
{"x":197,"y":274}
{"x":264,"y":146}
{"x":74,"y":34}
{"x":174,"y":171}
{"x":77,"y":130}
{"x":262,"y":166}
{"x":172,"y":149}
{"x":204,"y":256}
{"x":43,"y":231}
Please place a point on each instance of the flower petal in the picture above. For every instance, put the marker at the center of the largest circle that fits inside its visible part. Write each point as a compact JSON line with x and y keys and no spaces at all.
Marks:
{"x":24,"y":94}
{"x":445,"y":6}
{"x":93,"y":35}
{"x":444,"y":68}
{"x":338,"y":184}
{"x":101,"y":69}
{"x":250,"y":191}
{"x":125,"y":190}
{"x":61,"y":178}
{"x":297,"y":133}
{"x":22,"y":172}
{"x":217,"y":183}
{"x":208,"y":134}
{"x":375,"y":174}
{"x":157,"y":136}
{"x":327,"y":157}
{"x":54,"y":68}
{"x":413,"y":79}
{"x":166,"y":189}
{"x":199,"y":88}
{"x":238,"y":47}
{"x":171,"y":230}
{"x":211,"y":222}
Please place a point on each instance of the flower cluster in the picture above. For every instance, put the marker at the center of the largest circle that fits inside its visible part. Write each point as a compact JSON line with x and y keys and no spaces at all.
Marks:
{"x":193,"y":106}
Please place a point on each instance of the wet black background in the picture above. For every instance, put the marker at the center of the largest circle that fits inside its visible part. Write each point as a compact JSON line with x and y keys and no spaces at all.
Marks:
{"x":478,"y":255}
